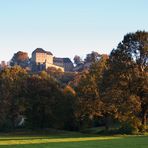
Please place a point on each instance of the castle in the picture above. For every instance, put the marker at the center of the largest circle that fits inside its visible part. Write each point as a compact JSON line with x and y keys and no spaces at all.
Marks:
{"x":42,"y":60}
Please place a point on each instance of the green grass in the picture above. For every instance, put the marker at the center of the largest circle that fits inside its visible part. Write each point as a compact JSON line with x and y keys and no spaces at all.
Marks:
{"x":61,"y":139}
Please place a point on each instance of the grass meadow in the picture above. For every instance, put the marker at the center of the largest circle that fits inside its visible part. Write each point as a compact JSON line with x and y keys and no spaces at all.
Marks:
{"x":70,"y":140}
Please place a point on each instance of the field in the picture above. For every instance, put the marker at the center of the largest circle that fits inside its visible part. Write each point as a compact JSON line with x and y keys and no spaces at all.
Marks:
{"x":70,"y":140}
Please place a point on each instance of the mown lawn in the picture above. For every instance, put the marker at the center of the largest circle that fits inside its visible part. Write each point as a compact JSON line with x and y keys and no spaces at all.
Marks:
{"x":70,"y":140}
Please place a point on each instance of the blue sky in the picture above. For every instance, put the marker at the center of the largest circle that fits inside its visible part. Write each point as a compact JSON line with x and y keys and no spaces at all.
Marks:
{"x":68,"y":27}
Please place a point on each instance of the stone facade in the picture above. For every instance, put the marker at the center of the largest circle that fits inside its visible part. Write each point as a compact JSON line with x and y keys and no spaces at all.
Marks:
{"x":41,"y":56}
{"x":64,"y":62}
{"x":42,"y":60}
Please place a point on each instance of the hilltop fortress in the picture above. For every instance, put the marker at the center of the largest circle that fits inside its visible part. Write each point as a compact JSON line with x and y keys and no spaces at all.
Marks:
{"x":42,"y":60}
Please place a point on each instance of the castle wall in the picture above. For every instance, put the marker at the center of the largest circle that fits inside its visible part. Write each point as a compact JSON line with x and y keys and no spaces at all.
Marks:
{"x":40,"y":57}
{"x":54,"y":66}
{"x":43,"y":60}
{"x":68,"y":67}
{"x":49,"y":58}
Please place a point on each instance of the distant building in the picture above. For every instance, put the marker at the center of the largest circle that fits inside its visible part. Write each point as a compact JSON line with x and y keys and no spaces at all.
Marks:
{"x":66,"y":63}
{"x":42,"y":60}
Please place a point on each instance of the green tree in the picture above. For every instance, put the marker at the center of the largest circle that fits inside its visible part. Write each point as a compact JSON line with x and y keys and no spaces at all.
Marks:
{"x":41,"y":95}
{"x":12,"y":101}
{"x":49,"y":106}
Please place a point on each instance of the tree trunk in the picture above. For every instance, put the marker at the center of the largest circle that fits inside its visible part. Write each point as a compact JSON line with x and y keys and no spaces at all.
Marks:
{"x":107,"y":123}
{"x":144,"y":119}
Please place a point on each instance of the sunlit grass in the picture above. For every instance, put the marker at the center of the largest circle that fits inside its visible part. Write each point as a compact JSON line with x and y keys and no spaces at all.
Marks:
{"x":8,"y":141}
{"x":71,"y":140}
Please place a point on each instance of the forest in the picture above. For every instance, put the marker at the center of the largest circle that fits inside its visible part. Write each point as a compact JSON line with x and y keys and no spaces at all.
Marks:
{"x":112,"y":93}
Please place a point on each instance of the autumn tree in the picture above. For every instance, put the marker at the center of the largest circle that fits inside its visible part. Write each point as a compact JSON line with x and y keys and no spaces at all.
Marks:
{"x":20,"y":58}
{"x":125,"y":83}
{"x":88,"y":93}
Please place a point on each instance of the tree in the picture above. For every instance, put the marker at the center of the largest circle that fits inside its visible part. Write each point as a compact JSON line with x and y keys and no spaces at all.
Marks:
{"x":92,"y":57}
{"x":20,"y":58}
{"x":12,"y":101}
{"x":89,"y":102}
{"x":42,"y":94}
{"x":77,"y":60}
{"x":125,"y":83}
{"x":48,"y":105}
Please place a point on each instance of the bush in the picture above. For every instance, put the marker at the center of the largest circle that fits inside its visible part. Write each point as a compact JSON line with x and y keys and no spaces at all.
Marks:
{"x":128,"y":128}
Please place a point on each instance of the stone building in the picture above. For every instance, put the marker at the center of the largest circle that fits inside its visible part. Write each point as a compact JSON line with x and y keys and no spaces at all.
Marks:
{"x":66,"y":63}
{"x":42,"y":60}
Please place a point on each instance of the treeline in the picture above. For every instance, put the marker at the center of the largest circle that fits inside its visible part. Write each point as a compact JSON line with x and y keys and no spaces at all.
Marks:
{"x":113,"y":91}
{"x":116,"y":88}
{"x":36,"y":98}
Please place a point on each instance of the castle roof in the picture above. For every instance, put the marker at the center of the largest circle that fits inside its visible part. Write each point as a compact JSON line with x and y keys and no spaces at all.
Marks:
{"x":49,"y":53}
{"x":40,"y":50}
{"x":66,"y":60}
{"x":62,"y":60}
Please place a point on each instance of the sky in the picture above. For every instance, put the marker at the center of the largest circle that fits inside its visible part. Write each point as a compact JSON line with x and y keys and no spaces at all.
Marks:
{"x":68,"y":27}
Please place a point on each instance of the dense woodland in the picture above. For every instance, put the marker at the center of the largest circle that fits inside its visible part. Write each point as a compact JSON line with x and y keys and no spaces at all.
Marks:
{"x":114,"y":91}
